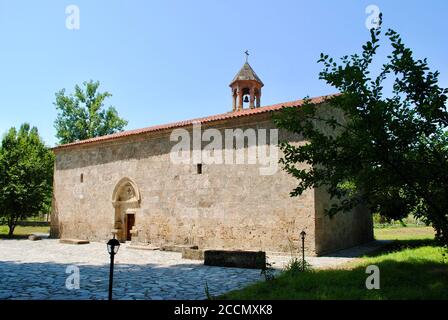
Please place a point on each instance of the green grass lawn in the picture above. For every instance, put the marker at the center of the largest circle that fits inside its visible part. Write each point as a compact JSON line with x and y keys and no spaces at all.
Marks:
{"x":412,"y":267}
{"x":22,"y":232}
{"x":407,"y":233}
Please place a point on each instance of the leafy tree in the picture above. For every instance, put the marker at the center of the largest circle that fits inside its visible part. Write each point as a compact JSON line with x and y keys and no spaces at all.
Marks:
{"x":82,"y":116}
{"x":26,"y":175}
{"x":382,"y":141}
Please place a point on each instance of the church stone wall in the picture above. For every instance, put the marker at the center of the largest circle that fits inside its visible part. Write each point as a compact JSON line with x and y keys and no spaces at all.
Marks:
{"x":343,"y":230}
{"x":227,"y":206}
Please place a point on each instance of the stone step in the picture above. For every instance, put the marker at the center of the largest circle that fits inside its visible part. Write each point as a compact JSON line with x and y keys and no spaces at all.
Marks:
{"x":143,"y":247}
{"x":73,"y":241}
{"x":177,"y":247}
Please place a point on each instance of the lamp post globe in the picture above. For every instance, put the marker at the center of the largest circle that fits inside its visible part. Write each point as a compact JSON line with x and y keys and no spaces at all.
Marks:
{"x":112,"y":246}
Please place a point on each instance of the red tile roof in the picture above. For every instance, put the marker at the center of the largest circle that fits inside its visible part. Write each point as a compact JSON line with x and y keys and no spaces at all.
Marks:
{"x":218,"y":117}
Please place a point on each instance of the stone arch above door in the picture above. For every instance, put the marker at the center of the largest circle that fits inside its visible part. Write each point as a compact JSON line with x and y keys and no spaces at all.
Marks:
{"x":126,"y":191}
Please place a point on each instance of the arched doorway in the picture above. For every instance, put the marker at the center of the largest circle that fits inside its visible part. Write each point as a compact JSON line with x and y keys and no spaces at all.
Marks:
{"x":126,"y":201}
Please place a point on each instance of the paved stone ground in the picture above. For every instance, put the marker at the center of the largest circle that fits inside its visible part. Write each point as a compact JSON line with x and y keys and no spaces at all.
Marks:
{"x":37,"y":270}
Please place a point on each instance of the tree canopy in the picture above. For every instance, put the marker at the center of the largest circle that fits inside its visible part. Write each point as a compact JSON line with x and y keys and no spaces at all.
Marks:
{"x":82,"y":115}
{"x":389,"y":150}
{"x":26,"y":175}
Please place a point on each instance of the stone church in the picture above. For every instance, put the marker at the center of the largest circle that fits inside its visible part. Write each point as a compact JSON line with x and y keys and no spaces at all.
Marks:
{"x":127,"y":185}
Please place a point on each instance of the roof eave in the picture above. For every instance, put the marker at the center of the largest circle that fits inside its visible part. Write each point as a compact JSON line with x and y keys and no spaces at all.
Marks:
{"x":186,"y":123}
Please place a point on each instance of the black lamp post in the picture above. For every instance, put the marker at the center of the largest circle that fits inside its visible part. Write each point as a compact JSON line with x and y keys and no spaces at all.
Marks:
{"x":303,"y":234}
{"x":112,"y":247}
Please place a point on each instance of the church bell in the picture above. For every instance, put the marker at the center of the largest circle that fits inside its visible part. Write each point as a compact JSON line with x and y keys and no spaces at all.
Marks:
{"x":246,"y":99}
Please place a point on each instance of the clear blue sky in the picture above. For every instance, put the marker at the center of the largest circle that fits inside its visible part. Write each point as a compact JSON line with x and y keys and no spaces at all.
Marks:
{"x":169,"y":60}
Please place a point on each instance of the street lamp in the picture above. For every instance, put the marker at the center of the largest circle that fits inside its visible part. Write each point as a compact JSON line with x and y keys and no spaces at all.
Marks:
{"x":303,"y":234}
{"x":112,"y":247}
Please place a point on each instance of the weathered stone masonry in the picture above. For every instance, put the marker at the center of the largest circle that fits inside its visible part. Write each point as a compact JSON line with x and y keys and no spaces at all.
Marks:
{"x":227,"y":206}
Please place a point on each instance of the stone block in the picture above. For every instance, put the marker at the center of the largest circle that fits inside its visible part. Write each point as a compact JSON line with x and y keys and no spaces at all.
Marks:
{"x":192,"y":254}
{"x":235,"y":259}
{"x":34,"y":237}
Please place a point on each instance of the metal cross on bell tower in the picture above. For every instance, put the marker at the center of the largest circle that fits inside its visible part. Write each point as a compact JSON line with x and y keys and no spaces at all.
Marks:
{"x":247,"y":55}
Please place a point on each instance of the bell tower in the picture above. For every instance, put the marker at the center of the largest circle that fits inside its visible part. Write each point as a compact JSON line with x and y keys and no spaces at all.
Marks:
{"x":246,"y":88}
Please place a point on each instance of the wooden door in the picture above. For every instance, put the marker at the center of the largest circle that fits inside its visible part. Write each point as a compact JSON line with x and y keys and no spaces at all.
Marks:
{"x":130,"y":220}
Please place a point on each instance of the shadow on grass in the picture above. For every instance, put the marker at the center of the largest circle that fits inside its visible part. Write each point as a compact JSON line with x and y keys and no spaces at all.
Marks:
{"x":23,"y":235}
{"x":414,"y":279}
{"x":14,"y":237}
{"x":397,"y":245}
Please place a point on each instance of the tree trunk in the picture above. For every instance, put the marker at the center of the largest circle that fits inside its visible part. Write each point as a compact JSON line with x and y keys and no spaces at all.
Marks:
{"x":11,"y":225}
{"x":11,"y":230}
